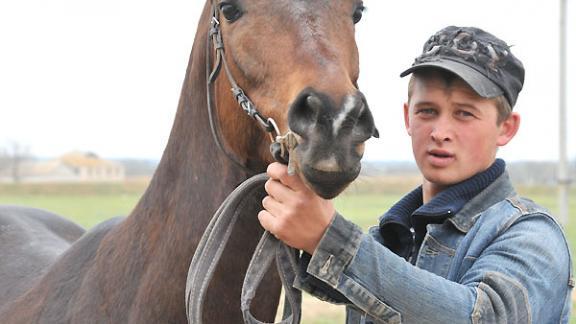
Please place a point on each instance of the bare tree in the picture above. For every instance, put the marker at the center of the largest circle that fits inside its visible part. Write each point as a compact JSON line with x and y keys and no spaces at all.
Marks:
{"x":12,"y":159}
{"x":3,"y":159}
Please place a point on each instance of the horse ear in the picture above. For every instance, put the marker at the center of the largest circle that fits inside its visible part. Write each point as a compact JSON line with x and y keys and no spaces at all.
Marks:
{"x":375,"y":133}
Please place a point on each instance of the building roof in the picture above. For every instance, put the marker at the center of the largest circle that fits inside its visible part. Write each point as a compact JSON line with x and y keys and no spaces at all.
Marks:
{"x":85,"y":159}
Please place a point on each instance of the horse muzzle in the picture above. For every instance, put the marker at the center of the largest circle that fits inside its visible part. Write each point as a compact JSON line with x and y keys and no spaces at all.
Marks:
{"x":330,"y":139}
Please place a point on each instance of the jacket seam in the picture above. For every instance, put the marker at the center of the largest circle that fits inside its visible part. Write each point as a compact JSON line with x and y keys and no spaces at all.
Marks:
{"x":387,"y":309}
{"x":541,"y":213}
{"x":476,"y":309}
{"x":510,"y":281}
{"x":439,"y":245}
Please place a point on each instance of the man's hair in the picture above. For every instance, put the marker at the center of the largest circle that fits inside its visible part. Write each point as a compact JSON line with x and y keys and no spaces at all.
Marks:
{"x":502,"y":105}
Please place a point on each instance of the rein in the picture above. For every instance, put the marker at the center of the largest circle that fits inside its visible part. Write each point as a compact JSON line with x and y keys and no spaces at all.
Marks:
{"x":246,"y":195}
{"x":244,"y":201}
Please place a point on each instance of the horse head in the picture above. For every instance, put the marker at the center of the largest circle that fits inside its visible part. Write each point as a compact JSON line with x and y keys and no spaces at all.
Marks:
{"x":297,"y":61}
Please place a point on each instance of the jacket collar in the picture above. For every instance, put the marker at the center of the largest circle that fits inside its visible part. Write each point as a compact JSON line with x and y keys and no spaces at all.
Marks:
{"x":451,"y":200}
{"x":460,"y":203}
{"x":498,"y":190}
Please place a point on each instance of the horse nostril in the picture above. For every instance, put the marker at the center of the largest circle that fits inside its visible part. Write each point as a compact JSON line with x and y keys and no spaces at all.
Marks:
{"x":314,"y":103}
{"x":366,"y":122}
{"x":304,"y":112}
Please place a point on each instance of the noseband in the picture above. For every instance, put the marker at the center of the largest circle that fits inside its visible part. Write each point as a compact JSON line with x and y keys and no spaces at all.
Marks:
{"x":212,"y":72}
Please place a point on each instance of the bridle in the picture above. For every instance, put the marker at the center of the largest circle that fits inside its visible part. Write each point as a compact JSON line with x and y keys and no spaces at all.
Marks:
{"x":212,"y":72}
{"x":218,"y":231}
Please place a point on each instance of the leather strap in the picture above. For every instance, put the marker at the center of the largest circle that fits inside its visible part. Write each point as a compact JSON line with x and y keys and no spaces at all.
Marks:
{"x":211,"y":247}
{"x":269,"y":248}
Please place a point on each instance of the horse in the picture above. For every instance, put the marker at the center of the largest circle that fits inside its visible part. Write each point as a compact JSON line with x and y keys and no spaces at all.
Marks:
{"x":298,"y":63}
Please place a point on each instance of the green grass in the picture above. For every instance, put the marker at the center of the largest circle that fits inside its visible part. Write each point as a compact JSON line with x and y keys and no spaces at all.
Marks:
{"x":86,"y":211}
{"x":364,"y":209}
{"x":85,"y":204}
{"x":90,"y":204}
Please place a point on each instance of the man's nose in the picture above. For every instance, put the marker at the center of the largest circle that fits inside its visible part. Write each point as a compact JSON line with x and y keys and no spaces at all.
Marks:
{"x":442,"y":131}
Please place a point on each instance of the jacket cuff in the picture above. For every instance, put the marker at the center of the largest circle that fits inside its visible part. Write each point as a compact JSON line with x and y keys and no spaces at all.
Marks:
{"x":335,"y":250}
{"x":314,"y":286}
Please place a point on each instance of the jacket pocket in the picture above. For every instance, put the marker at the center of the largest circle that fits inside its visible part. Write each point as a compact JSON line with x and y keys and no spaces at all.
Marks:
{"x":435,"y":257}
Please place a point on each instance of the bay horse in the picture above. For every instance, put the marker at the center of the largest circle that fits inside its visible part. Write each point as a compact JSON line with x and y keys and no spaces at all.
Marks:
{"x":298,"y":62}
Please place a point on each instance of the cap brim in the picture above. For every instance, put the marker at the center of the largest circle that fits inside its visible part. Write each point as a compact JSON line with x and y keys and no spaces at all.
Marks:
{"x":482,"y":85}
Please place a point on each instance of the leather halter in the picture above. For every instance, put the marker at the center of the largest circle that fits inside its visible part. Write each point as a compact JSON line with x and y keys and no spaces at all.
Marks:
{"x":268,"y":124}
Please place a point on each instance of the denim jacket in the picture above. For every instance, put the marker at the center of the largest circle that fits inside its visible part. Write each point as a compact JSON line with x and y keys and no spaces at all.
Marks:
{"x":499,"y":259}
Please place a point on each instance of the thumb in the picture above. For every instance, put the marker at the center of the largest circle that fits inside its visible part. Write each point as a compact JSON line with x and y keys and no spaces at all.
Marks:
{"x":279,"y":172}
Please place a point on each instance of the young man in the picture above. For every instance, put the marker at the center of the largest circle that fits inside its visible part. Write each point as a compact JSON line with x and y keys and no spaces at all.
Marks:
{"x":462,"y":247}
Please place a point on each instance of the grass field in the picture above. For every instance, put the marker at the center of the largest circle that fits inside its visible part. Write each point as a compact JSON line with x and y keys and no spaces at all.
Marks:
{"x":363,"y":202}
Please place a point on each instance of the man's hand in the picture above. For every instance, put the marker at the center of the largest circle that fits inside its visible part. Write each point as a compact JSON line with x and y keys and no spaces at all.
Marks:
{"x":294,"y":213}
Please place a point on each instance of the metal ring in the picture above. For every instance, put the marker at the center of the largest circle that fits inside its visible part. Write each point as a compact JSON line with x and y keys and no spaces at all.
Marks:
{"x":275,"y":127}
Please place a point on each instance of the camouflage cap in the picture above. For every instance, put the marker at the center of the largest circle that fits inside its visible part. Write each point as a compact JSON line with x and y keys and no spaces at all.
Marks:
{"x":479,"y":58}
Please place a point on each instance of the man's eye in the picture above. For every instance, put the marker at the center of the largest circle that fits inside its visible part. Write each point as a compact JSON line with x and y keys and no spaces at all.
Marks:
{"x":426,"y":111}
{"x":465,"y":114}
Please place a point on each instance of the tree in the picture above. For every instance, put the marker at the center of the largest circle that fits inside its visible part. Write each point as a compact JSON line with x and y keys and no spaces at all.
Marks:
{"x":12,"y":159}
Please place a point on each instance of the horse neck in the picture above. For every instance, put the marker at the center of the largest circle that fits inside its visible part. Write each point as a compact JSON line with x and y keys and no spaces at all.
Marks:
{"x":160,"y":236}
{"x":193,"y":176}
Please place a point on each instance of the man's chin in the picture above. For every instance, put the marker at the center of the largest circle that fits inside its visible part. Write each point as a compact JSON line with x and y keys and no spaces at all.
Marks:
{"x":442,"y":178}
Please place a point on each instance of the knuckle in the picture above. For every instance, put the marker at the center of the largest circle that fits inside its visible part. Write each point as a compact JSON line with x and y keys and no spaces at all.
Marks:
{"x":274,"y":170}
{"x":283,"y":178}
{"x":270,"y":168}
{"x":262,"y":219}
{"x":288,"y":212}
{"x":300,"y":202}
{"x":282,"y":225}
{"x":261,"y":216}
{"x":268,"y":185}
{"x":279,"y":236}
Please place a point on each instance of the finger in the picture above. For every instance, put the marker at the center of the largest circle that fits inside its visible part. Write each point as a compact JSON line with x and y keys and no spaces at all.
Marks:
{"x":272,"y":206}
{"x":277,"y":190}
{"x":279,"y":172}
{"x":266,"y":220}
{"x":276,"y":170}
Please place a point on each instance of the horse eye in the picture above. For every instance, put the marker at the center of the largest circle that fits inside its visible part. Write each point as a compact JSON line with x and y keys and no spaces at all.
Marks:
{"x":230,"y":11}
{"x":357,"y":16}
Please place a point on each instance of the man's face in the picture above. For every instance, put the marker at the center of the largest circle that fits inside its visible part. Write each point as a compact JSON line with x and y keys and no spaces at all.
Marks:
{"x":454,"y":131}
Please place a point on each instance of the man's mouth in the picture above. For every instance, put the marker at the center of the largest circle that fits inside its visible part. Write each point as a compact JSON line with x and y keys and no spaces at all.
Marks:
{"x":440,"y":153}
{"x":440,"y":158}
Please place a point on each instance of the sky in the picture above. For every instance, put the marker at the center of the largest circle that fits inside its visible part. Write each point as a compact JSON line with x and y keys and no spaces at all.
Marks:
{"x":105,"y":76}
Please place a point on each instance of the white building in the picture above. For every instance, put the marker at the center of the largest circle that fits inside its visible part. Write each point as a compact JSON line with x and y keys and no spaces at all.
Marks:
{"x":71,"y":167}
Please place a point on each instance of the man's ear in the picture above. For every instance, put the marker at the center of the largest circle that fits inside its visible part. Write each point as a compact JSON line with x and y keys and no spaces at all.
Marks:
{"x":508,"y":129}
{"x":407,"y":118}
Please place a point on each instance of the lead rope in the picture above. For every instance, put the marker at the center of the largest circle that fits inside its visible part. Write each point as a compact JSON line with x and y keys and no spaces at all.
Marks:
{"x":247,"y":195}
{"x":270,"y":248}
{"x":245,"y":199}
